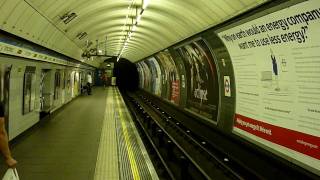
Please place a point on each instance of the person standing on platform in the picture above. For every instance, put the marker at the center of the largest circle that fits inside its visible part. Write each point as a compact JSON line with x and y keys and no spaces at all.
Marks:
{"x":104,"y":80}
{"x":89,"y":82}
{"x":4,"y":142}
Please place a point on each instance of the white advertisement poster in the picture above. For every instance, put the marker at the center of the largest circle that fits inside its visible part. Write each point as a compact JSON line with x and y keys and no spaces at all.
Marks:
{"x":276,"y":59}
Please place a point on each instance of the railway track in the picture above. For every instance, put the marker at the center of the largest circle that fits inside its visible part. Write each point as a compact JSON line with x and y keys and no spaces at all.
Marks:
{"x":186,"y":149}
{"x":184,"y":155}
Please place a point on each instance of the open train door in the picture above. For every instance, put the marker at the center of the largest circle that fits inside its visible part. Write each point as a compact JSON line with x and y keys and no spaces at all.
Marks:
{"x":45,"y":94}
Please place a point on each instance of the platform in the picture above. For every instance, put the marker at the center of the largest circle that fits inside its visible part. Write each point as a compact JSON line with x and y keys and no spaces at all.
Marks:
{"x":91,"y":138}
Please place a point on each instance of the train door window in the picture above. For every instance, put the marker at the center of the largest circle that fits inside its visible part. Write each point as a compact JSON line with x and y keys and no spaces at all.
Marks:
{"x":28,"y":89}
{"x":75,"y":84}
{"x":68,"y":78}
{"x":80,"y":81}
{"x":42,"y":78}
{"x":75,"y":79}
{"x":57,"y":78}
{"x":63,"y":80}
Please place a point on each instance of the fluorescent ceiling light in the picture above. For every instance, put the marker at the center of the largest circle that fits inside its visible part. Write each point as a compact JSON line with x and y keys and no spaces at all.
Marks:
{"x":129,"y":36}
{"x":139,"y":18}
{"x":145,"y":4}
{"x":134,"y":28}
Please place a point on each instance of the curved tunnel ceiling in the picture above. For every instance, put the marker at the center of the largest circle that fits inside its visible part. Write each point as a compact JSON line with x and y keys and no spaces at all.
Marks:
{"x":163,"y":23}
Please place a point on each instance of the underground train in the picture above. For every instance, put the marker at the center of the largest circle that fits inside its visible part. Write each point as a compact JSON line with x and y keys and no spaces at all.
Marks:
{"x":35,"y":83}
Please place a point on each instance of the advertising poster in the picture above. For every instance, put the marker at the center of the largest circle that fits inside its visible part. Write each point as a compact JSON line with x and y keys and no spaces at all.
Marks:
{"x":141,"y":76}
{"x":171,"y":77}
{"x":175,"y":91}
{"x":147,"y":76}
{"x":155,"y":75}
{"x":277,"y":72}
{"x":202,"y":79}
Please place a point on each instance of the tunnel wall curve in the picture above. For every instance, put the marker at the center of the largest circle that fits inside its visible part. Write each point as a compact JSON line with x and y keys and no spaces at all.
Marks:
{"x":256,"y":77}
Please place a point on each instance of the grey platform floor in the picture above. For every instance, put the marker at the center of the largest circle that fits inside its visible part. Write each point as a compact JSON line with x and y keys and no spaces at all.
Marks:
{"x":66,"y":146}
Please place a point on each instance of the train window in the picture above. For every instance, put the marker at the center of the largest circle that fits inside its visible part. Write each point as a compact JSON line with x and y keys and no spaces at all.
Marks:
{"x":57,"y":80}
{"x":67,"y":80}
{"x":28,"y":89}
{"x":63,"y":80}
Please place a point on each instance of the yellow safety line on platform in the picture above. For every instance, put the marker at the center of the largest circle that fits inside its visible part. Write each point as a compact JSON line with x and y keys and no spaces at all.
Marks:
{"x":107,"y":157}
{"x":134,"y":167}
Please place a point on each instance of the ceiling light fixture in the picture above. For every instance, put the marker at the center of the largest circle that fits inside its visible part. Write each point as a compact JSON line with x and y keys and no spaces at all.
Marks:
{"x":145,"y":4}
{"x":133,"y":26}
{"x":89,"y":53}
{"x":125,"y":23}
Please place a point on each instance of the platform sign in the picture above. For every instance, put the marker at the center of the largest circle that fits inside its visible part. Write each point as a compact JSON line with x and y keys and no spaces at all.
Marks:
{"x":227,"y":88}
{"x":276,"y":63}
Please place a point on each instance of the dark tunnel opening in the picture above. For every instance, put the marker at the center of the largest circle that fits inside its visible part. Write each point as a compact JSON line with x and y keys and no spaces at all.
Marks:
{"x":127,"y":75}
